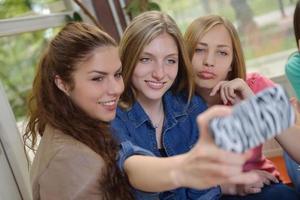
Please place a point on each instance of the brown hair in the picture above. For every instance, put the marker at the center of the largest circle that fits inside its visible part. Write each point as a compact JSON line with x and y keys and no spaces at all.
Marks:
{"x":141,"y":31}
{"x":200,"y":26}
{"x":48,"y":105}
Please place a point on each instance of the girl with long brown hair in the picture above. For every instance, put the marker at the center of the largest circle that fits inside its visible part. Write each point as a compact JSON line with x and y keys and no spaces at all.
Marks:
{"x":74,"y":94}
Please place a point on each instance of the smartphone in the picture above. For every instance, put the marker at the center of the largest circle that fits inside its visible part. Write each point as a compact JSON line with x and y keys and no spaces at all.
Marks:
{"x":254,"y":120}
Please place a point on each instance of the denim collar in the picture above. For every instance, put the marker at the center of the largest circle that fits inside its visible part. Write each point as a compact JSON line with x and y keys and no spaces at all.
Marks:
{"x":175,"y":106}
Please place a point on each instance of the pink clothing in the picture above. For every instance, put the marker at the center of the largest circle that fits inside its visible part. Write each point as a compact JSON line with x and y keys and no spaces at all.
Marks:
{"x":258,"y":161}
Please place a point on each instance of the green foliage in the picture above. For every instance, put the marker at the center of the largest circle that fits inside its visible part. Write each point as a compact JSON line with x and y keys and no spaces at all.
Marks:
{"x":19,"y":55}
{"x":76,"y":17}
{"x":135,"y":7}
{"x":12,"y":8}
{"x":260,"y":7}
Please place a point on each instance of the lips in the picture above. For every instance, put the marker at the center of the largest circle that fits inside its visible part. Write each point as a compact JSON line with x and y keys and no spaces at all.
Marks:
{"x":109,"y":105}
{"x":206,"y":75}
{"x":156,"y":85}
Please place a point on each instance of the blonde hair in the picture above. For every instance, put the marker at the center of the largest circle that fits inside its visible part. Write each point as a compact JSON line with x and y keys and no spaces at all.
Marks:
{"x":200,"y":26}
{"x":141,"y":31}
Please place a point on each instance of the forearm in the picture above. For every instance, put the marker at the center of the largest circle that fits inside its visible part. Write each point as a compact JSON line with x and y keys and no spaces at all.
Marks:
{"x":153,"y":174}
{"x":289,"y":141}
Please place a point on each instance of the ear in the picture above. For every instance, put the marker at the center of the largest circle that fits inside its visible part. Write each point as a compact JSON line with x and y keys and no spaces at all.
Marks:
{"x":61,"y":85}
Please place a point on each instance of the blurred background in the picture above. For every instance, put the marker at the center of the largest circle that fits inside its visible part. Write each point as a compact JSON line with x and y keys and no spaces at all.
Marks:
{"x":265,"y":28}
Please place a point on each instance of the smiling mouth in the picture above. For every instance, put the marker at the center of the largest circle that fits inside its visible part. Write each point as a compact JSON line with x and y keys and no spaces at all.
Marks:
{"x":107,"y":103}
{"x":155,"y":84}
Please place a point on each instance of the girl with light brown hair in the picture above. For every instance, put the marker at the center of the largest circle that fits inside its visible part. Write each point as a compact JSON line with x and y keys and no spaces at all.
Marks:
{"x":220,"y":77}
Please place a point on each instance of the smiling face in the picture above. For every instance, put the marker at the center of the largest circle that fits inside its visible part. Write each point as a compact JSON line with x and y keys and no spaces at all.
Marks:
{"x":156,"y":68}
{"x":212,"y":57}
{"x":98,"y":84}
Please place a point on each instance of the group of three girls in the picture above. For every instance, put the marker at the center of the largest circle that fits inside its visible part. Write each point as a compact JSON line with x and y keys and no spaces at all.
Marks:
{"x":75,"y":93}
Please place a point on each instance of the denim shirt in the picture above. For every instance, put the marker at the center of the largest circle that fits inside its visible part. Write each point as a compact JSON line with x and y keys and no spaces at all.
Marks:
{"x":127,"y":149}
{"x":180,"y":133}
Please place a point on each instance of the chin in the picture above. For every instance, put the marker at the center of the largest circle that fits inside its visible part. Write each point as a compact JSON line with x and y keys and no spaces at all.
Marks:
{"x":107,"y":118}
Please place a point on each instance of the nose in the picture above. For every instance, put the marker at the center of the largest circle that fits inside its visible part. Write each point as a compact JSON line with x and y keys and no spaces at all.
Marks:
{"x":159,"y":71}
{"x":209,"y":59}
{"x":115,"y":87}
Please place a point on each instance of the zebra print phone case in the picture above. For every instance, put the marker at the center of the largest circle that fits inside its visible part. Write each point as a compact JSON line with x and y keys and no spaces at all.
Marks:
{"x":254,"y":121}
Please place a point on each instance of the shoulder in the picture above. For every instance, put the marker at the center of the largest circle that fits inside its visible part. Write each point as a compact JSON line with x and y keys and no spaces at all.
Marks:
{"x":79,"y":153}
{"x":292,"y":67}
{"x":121,"y":118}
{"x":258,"y":82}
{"x":293,"y":59}
{"x":67,"y":167}
{"x":180,"y":101}
{"x":63,"y":149}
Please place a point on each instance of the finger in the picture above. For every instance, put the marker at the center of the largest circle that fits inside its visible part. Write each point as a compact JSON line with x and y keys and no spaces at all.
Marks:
{"x":258,"y":184}
{"x":222,"y":95}
{"x":269,"y":177}
{"x":248,"y":154}
{"x":244,"y":178}
{"x":230,"y":94}
{"x":241,"y":189}
{"x":266,"y":181}
{"x":252,"y":190}
{"x":204,"y":118}
{"x":216,"y":88}
{"x":293,"y":100}
{"x":220,"y":169}
{"x":226,"y":157}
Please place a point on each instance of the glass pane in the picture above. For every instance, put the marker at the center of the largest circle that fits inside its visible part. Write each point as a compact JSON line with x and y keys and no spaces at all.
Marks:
{"x":265,"y":27}
{"x":21,"y":8}
{"x":19,"y":55}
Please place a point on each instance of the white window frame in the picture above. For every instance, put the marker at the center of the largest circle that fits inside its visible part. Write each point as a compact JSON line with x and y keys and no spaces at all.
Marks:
{"x":17,"y":25}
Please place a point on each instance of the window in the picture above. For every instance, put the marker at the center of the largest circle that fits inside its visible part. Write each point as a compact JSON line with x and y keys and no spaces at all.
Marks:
{"x":25,"y":29}
{"x":265,"y":27}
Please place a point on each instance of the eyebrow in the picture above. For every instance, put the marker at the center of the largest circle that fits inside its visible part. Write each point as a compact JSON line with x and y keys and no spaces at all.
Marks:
{"x":219,"y":45}
{"x":104,"y":73}
{"x":150,"y":54}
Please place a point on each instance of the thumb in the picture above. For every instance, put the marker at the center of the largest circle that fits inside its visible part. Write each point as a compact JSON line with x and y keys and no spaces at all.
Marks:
{"x":293,"y":101}
{"x":204,"y":118}
{"x":216,"y":89}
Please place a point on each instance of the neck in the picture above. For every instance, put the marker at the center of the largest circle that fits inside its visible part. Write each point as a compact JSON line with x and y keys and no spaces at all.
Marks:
{"x":155,"y":111}
{"x":153,"y":108}
{"x":210,"y":100}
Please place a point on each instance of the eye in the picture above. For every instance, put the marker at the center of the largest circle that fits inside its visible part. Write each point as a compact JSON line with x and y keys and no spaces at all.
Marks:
{"x":200,"y":50}
{"x":118,"y":75}
{"x":98,"y":78}
{"x":171,"y":61}
{"x":145,"y":60}
{"x":223,"y":53}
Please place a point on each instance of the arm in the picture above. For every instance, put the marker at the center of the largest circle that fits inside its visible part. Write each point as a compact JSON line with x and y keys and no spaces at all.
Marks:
{"x":202,"y":167}
{"x":289,"y":141}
